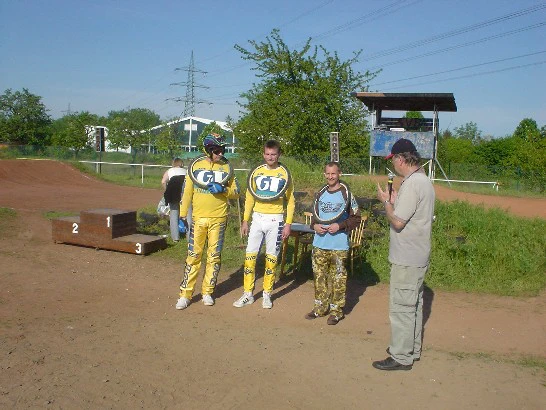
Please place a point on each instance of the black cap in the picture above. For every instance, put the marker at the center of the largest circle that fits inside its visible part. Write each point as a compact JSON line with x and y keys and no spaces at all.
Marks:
{"x":400,"y":146}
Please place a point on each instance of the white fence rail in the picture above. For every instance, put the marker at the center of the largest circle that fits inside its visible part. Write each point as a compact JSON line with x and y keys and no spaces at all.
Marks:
{"x":142,"y":166}
{"x":494,"y":184}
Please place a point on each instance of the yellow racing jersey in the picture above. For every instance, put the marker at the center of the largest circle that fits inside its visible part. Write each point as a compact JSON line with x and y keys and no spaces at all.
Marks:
{"x":205,"y":204}
{"x":270,"y":182}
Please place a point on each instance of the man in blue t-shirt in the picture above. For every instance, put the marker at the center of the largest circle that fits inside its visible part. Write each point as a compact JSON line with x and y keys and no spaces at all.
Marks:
{"x":335,"y":213}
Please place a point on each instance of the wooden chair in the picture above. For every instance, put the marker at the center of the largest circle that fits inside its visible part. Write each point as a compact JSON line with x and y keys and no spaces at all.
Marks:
{"x":356,"y":241}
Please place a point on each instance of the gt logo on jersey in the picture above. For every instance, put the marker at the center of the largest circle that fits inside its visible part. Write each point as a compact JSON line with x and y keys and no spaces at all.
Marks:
{"x":204,"y":176}
{"x":267,"y":185}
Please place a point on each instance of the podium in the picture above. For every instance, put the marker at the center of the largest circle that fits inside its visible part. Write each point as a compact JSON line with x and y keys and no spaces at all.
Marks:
{"x":110,"y":229}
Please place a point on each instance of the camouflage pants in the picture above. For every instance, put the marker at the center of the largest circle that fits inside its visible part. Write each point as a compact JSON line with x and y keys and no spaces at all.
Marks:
{"x":330,"y":276}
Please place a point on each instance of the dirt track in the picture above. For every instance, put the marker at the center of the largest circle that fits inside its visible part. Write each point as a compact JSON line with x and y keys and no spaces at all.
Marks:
{"x":82,"y":328}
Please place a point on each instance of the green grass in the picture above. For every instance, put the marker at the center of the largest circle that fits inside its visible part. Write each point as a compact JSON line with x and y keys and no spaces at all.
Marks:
{"x":478,"y":250}
{"x":54,"y":214}
{"x":530,"y":361}
{"x":7,"y":215}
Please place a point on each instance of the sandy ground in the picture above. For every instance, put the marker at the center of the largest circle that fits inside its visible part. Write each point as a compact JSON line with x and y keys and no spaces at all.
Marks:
{"x":86,"y":328}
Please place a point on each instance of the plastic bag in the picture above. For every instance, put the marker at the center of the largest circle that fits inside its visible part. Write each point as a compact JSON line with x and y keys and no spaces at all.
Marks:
{"x":162,"y":208}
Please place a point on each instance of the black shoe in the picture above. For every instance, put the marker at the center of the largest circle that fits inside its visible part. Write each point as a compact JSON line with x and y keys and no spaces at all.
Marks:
{"x":311,"y":315}
{"x":390,"y":364}
{"x":333,"y":319}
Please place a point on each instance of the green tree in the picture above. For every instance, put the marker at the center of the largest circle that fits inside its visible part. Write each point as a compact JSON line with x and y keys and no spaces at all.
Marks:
{"x":23,"y":118}
{"x":167,"y":139}
{"x":527,"y":130}
{"x":468,"y":131}
{"x":303,"y":95}
{"x":72,"y":131}
{"x":455,"y":150}
{"x":131,"y":129}
{"x":529,"y":155}
{"x":495,"y":152}
{"x":414,"y":114}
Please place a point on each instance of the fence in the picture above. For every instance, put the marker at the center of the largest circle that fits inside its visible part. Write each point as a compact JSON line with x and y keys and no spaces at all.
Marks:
{"x":505,"y":177}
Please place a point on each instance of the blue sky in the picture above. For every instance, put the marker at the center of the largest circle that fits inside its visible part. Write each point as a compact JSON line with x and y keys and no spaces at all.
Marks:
{"x":107,"y":55}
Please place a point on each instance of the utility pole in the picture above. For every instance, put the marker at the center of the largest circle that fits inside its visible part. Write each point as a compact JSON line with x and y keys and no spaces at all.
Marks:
{"x":68,"y":111}
{"x":190,"y":101}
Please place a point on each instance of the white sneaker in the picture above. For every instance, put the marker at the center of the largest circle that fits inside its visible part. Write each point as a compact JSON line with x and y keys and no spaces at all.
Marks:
{"x":246,"y":299}
{"x":266,"y":300}
{"x":182,"y":303}
{"x":208,"y":300}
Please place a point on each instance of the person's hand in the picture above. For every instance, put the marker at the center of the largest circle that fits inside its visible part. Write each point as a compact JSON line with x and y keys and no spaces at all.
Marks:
{"x":215,"y":188}
{"x":382,"y":195}
{"x":244,"y":228}
{"x":320,"y":229}
{"x":286,"y":231}
{"x":333,"y":228}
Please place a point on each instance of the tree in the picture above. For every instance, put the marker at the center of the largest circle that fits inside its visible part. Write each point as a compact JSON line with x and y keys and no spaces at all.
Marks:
{"x":468,"y":131}
{"x":302,"y":97}
{"x":131,"y":129}
{"x":23,"y":118}
{"x":72,"y":131}
{"x":527,"y":130}
{"x":414,"y":114}
{"x":455,"y":150}
{"x":166,"y":139}
{"x":529,"y":153}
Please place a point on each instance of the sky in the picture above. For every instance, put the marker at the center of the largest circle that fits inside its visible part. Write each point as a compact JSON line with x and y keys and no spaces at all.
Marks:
{"x":105,"y":55}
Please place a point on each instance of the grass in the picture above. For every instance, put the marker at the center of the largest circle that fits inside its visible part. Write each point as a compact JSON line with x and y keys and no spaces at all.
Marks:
{"x":529,"y":361}
{"x":479,"y":250}
{"x":7,"y":216}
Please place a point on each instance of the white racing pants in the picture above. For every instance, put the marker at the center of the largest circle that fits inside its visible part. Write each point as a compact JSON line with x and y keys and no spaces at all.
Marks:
{"x":268,"y":227}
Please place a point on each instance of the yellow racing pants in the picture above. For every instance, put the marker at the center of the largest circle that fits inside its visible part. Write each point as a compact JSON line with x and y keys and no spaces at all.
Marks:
{"x":211,"y":231}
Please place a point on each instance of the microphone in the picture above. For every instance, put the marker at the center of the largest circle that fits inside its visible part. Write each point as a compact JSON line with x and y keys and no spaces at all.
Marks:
{"x":391,"y":179}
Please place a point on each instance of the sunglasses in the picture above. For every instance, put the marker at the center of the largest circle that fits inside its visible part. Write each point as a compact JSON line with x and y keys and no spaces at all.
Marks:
{"x":218,"y":151}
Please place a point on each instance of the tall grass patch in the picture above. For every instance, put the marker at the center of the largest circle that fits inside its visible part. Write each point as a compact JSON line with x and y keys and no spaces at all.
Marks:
{"x":478,"y":250}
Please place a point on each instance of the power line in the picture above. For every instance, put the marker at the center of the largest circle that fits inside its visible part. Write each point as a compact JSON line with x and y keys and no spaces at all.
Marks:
{"x":293,"y":20}
{"x":190,"y":101}
{"x":470,"y":43}
{"x":455,"y":32}
{"x":459,"y":68}
{"x":374,"y":15}
{"x":470,"y":75}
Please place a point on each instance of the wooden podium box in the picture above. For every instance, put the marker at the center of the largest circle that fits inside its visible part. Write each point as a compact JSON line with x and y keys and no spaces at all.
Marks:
{"x":111,"y":229}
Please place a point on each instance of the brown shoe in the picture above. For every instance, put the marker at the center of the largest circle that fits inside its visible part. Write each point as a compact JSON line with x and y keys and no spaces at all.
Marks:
{"x":311,"y":315}
{"x":333,"y":319}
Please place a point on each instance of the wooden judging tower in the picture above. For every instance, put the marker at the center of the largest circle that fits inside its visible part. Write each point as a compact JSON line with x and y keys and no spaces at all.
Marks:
{"x":111,"y":229}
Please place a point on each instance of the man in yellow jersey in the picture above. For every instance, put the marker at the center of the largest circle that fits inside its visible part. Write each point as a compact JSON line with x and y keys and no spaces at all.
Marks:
{"x":269,"y":186}
{"x":210,"y":184}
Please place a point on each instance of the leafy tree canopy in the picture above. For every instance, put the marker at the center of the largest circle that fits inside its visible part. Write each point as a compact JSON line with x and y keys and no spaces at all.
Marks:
{"x":167,"y":139}
{"x":23,"y":118}
{"x":302,"y":97}
{"x":468,"y":131}
{"x":72,"y":130}
{"x":527,"y":130}
{"x":130,"y":128}
{"x":414,"y":114}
